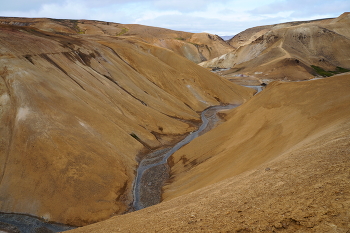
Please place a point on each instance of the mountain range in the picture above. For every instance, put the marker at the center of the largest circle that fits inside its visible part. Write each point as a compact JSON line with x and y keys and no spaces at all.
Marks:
{"x":82,"y":102}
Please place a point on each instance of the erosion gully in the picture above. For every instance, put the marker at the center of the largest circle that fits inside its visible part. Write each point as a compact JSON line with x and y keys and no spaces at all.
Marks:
{"x":153,"y":170}
{"x":152,"y":173}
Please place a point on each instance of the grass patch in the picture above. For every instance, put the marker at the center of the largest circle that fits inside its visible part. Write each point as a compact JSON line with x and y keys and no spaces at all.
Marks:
{"x":341,"y":70}
{"x":179,"y":38}
{"x":325,"y":73}
{"x":123,"y":31}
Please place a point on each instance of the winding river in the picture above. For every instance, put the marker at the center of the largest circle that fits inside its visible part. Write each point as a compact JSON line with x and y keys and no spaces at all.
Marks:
{"x":152,"y":173}
{"x":22,"y":223}
{"x":153,"y":170}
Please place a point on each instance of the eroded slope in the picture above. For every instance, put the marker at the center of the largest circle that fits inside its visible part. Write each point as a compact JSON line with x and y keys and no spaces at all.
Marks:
{"x":76,"y":111}
{"x":196,"y":47}
{"x":288,"y":51}
{"x":291,"y":175}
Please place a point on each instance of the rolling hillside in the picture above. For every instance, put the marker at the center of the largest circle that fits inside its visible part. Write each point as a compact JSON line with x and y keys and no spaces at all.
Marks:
{"x":196,"y":47}
{"x":280,"y":163}
{"x":288,"y":51}
{"x":77,"y":111}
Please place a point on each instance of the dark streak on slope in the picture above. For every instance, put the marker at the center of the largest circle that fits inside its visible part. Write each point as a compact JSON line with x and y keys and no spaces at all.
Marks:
{"x":116,"y":83}
{"x":29,"y":58}
{"x":60,"y":68}
{"x":11,"y":119}
{"x":85,"y":59}
{"x":115,"y":53}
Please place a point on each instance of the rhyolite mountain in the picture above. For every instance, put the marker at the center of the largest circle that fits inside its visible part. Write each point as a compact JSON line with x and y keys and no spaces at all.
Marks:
{"x":288,"y":51}
{"x":279,"y":163}
{"x":196,"y":47}
{"x":78,"y":110}
{"x":81,"y":104}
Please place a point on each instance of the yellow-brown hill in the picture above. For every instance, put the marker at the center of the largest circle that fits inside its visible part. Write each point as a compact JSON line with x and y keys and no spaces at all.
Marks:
{"x":196,"y":47}
{"x":280,"y":163}
{"x":76,"y":111}
{"x":288,"y":51}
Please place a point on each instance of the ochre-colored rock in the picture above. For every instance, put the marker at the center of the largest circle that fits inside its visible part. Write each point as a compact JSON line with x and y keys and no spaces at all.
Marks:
{"x":279,"y":163}
{"x":271,"y":123}
{"x":287,"y":51}
{"x":77,"y":110}
{"x":196,"y":47}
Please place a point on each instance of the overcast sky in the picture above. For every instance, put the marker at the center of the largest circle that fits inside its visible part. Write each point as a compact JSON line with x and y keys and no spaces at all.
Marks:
{"x":221,"y":17}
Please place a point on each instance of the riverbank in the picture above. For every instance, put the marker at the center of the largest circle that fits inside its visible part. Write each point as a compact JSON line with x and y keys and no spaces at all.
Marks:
{"x":153,"y":170}
{"x":285,"y":169}
{"x":21,"y":223}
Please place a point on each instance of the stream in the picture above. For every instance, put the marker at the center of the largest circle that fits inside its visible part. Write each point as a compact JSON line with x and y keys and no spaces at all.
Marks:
{"x":153,"y":170}
{"x":152,"y":173}
{"x":21,"y":223}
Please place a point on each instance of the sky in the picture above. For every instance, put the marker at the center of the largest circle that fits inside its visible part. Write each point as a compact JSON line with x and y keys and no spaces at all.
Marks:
{"x":220,"y":17}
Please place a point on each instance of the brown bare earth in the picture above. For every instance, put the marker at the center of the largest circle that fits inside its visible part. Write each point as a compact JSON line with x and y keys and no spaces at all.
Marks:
{"x":281,"y":163}
{"x":77,"y":110}
{"x":196,"y":47}
{"x":81,"y":102}
{"x":287,"y":51}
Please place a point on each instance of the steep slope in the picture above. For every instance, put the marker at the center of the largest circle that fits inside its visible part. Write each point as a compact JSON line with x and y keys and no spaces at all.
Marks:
{"x":77,"y":110}
{"x":279,"y":164}
{"x":288,"y":51}
{"x":277,"y":119}
{"x":196,"y":47}
{"x":251,"y":34}
{"x":248,"y":35}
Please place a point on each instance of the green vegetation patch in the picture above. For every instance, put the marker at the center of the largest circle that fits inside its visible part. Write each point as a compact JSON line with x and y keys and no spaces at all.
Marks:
{"x":123,"y":31}
{"x":325,"y":73}
{"x":180,"y":38}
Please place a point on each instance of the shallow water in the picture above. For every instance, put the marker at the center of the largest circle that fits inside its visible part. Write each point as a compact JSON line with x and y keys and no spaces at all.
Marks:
{"x":28,"y":224}
{"x":257,"y":88}
{"x":147,"y":188}
{"x":153,"y":170}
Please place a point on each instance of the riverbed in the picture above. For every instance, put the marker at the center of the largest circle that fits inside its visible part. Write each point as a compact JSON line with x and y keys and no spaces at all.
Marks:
{"x":152,"y":173}
{"x":153,"y":170}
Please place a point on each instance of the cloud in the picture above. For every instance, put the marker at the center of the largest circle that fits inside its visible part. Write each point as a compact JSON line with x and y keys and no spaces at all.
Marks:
{"x":22,"y":5}
{"x":303,"y":8}
{"x":222,"y":17}
{"x":184,"y":5}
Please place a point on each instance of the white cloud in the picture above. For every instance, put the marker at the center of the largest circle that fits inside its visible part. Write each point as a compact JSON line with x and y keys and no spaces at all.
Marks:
{"x":222,"y":17}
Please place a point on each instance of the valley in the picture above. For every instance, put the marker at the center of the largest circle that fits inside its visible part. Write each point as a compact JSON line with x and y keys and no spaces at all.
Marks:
{"x":87,"y":107}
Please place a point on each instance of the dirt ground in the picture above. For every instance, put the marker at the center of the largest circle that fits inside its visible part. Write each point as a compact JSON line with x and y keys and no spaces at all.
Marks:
{"x":303,"y":188}
{"x":307,"y":190}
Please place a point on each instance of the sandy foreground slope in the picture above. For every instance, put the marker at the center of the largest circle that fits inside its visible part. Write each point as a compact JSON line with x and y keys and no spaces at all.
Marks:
{"x":76,"y":111}
{"x":281,"y":163}
{"x":288,"y":51}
